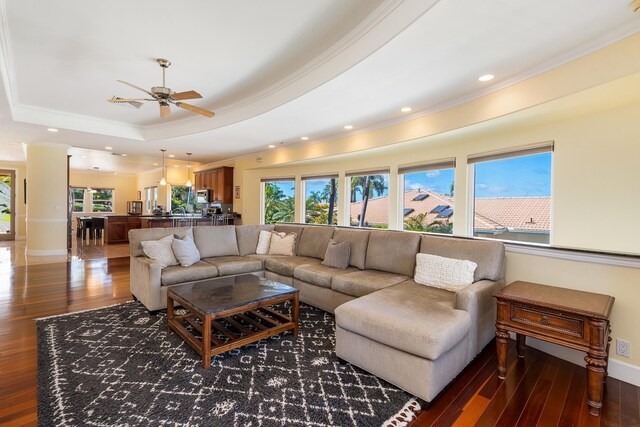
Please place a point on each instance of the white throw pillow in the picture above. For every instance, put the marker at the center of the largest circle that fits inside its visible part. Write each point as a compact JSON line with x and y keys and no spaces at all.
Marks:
{"x":282,"y":244}
{"x":160,"y":251}
{"x":185,"y":251}
{"x":444,"y":273}
{"x":264,"y":240}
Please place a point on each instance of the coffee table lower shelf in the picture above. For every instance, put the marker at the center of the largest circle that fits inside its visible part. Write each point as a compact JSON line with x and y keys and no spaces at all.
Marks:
{"x":240,"y":325}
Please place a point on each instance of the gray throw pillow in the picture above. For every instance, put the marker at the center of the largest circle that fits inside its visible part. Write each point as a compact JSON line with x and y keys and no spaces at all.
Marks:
{"x":185,"y":251}
{"x":337,"y":254}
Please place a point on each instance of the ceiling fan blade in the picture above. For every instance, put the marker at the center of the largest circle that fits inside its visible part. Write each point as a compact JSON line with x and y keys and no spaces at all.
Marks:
{"x":117,"y":99}
{"x":139,"y":88}
{"x":190,"y":94}
{"x":165,"y":111}
{"x":195,"y":109}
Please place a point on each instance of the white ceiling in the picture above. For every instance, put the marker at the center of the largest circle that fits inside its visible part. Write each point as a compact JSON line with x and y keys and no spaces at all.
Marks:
{"x":273,"y":71}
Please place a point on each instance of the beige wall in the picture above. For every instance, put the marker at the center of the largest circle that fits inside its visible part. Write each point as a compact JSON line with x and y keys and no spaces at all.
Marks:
{"x":124,"y":186}
{"x":20,"y":170}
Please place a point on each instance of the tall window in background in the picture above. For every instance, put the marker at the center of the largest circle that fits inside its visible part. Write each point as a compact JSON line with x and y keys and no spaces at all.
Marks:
{"x":78,"y":198}
{"x":102,"y":200}
{"x":428,"y":196}
{"x":182,"y":198}
{"x":279,"y":200}
{"x":321,"y":197}
{"x":369,"y":196}
{"x":512,"y":194}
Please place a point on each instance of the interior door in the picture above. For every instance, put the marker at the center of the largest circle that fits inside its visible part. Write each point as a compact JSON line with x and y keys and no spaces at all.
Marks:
{"x":7,"y":205}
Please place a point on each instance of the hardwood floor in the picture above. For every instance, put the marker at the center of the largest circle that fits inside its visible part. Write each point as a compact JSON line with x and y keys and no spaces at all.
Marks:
{"x":540,"y":390}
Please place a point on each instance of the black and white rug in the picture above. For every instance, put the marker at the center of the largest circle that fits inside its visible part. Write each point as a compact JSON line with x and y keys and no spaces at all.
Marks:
{"x":117,"y":366}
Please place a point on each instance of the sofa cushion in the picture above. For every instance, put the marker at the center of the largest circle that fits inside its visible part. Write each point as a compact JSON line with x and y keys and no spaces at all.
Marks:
{"x":363,"y":282}
{"x":140,"y":234}
{"x":393,"y":251}
{"x":319,"y":274}
{"x":488,"y":255}
{"x":263,"y":258}
{"x":282,"y":244}
{"x":408,"y":317}
{"x":185,"y":251}
{"x":264,"y":242}
{"x":178,"y":274}
{"x":358,"y":240}
{"x":247,"y":237}
{"x":314,"y":241}
{"x":445,"y":273}
{"x":233,"y":264}
{"x":286,"y":264}
{"x":337,"y":254}
{"x":160,"y":251}
{"x":291,"y":228}
{"x":216,"y":240}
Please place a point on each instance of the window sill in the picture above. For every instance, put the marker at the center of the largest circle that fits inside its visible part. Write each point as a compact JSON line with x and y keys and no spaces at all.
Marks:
{"x":619,"y":260}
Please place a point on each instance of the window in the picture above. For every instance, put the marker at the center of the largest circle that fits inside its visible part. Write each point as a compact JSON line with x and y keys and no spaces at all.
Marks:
{"x":428,"y":196}
{"x":77,"y":194}
{"x":182,"y":199}
{"x":321,"y":200}
{"x":369,"y":196}
{"x":279,"y":200}
{"x":102,"y":200}
{"x":512,"y":194}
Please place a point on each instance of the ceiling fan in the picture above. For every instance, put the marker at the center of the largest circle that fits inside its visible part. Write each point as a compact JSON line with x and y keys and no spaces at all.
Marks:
{"x":164,"y":96}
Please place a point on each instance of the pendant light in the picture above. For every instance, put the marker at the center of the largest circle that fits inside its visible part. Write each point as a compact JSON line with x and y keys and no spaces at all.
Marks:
{"x":163,"y":181}
{"x":188,"y":183}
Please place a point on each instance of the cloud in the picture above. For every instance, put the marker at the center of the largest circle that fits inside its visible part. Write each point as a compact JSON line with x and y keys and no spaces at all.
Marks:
{"x":432,"y":174}
{"x":416,"y":186}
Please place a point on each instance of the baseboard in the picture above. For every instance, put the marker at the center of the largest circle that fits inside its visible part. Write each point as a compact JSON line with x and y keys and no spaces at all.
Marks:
{"x":45,"y":252}
{"x":617,"y":369}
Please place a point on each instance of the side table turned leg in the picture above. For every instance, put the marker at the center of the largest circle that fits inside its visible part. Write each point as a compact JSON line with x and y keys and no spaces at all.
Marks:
{"x":502,"y":347}
{"x":596,"y":369}
{"x":521,"y":344}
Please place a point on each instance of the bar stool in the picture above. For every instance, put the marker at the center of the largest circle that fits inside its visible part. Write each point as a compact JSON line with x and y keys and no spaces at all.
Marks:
{"x":97,"y":227}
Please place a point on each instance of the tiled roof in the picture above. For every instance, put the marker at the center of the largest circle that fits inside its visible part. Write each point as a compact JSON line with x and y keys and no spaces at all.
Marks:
{"x":492,"y":213}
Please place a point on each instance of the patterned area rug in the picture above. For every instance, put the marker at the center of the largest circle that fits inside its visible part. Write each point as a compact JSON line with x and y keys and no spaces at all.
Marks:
{"x":118,"y":366}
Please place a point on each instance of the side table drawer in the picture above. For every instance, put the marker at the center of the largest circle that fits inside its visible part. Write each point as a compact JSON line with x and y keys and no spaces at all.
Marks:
{"x":547,"y":320}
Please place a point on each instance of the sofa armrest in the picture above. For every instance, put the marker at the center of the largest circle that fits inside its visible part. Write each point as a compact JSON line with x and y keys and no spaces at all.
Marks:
{"x":145,"y":281}
{"x":477,"y":299}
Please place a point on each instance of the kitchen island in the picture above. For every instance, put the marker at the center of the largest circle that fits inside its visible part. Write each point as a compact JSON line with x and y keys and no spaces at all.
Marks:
{"x":116,"y":227}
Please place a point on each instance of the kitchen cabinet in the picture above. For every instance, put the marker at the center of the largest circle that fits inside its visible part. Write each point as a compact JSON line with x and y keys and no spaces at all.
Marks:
{"x":219,"y":181}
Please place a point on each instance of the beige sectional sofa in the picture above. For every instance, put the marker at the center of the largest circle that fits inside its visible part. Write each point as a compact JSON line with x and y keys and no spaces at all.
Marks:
{"x":414,"y":336}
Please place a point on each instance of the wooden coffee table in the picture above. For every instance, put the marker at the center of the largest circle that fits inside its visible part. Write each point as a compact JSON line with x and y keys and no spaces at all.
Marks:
{"x":239,"y":308}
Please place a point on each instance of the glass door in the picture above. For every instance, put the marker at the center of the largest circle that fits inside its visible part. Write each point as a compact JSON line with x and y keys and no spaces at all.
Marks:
{"x":7,"y":205}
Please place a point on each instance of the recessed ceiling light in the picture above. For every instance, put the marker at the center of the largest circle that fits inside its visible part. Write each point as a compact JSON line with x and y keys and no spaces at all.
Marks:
{"x":348,"y":127}
{"x":52,"y":129}
{"x":115,"y":173}
{"x":271,"y":146}
{"x":486,"y":77}
{"x":83,"y":157}
{"x":405,"y":109}
{"x":305,"y":138}
{"x":124,"y":154}
{"x":155,"y":164}
{"x":108,"y":148}
{"x":172,"y":155}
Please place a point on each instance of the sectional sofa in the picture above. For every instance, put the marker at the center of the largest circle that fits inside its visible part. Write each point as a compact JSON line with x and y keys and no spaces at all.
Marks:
{"x":411,"y":335}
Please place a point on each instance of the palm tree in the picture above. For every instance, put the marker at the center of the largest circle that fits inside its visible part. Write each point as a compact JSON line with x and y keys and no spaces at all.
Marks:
{"x":378,"y":185}
{"x":332,"y":199}
{"x":273,"y":197}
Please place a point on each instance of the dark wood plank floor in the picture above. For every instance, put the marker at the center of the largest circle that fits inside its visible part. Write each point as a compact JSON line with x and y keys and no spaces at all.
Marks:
{"x":539,"y":390}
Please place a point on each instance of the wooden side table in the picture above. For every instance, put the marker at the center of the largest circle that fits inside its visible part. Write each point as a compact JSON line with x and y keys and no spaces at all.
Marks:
{"x":574,"y":319}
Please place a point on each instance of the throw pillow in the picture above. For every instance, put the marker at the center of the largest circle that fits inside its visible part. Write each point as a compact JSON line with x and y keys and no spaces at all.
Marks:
{"x":337,"y":254}
{"x":185,"y":251}
{"x":444,"y":273}
{"x":160,"y":251}
{"x":282,"y":244}
{"x":264,"y":240}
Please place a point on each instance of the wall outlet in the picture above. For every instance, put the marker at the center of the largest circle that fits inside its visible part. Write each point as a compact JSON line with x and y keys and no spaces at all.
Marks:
{"x":623,"y":348}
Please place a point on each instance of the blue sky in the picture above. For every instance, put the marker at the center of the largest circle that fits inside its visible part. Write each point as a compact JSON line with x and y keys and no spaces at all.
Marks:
{"x":517,"y":176}
{"x":514,"y":177}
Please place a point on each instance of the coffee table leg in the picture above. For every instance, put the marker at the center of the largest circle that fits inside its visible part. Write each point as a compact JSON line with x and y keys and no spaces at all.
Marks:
{"x":170,"y":314}
{"x":295,"y":313}
{"x":206,"y":342}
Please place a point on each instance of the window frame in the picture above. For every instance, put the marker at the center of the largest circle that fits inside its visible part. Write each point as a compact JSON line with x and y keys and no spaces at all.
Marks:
{"x":112,"y":200}
{"x":263,"y":193}
{"x":303,"y":206}
{"x":364,"y":173}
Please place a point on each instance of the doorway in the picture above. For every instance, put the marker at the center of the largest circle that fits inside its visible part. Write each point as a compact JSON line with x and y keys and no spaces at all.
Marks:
{"x":7,"y":205}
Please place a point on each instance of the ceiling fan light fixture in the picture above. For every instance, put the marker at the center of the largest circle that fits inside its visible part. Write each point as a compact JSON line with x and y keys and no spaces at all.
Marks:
{"x":635,"y":5}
